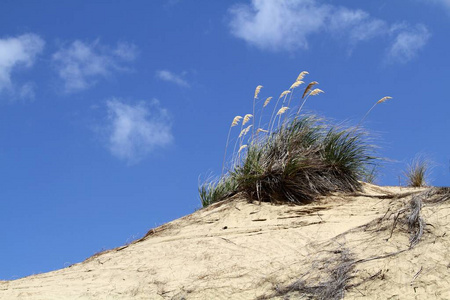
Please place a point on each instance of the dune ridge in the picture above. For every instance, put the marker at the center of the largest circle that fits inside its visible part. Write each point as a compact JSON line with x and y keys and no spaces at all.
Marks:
{"x":355,"y":246}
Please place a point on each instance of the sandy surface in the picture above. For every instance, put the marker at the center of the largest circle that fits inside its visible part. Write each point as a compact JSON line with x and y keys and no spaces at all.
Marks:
{"x":240,"y":250}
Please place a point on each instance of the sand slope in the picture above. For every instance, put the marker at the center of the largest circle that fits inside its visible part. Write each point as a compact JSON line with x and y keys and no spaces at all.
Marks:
{"x":240,"y":250}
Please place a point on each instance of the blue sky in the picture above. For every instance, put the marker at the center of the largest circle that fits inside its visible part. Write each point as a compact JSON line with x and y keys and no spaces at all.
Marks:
{"x":110,"y":112}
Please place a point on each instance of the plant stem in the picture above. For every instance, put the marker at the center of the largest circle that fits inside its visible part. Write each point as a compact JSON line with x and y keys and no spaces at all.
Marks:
{"x":367,"y":113}
{"x":226,"y":147}
{"x":301,"y":106}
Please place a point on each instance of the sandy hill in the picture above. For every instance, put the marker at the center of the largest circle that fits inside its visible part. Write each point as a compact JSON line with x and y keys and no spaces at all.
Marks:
{"x":384,"y":243}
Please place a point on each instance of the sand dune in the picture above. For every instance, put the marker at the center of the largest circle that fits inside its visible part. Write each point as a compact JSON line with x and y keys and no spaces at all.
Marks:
{"x":355,"y":245}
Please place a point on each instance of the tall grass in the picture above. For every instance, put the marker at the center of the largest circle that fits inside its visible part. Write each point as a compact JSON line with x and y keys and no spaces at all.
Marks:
{"x":417,"y":172}
{"x":295,"y":160}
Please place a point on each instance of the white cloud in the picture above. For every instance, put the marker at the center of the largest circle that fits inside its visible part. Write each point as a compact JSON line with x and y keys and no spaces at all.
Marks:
{"x":171,"y":77}
{"x":287,"y":25}
{"x":276,"y":25}
{"x":407,"y":43}
{"x":134,"y":131}
{"x":16,"y":53}
{"x":81,"y":65}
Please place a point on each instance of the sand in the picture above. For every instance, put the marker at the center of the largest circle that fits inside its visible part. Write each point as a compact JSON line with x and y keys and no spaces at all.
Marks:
{"x":241,"y":250}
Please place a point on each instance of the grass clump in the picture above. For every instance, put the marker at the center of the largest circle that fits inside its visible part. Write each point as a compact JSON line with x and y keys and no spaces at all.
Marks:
{"x":417,"y":172}
{"x":215,"y":191}
{"x":294,"y":158}
{"x":301,"y":161}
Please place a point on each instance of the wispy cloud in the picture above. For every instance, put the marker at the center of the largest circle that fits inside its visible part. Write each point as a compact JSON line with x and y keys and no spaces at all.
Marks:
{"x":287,"y":25}
{"x":355,"y":25}
{"x":445,"y":3}
{"x":171,"y":77}
{"x":134,"y":131}
{"x":126,"y":51}
{"x":408,"y":42}
{"x":80,"y":65}
{"x":17,"y":53}
{"x":26,"y":90}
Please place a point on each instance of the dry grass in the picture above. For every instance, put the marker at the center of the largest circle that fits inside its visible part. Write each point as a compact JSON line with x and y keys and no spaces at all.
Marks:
{"x":417,"y":172}
{"x":412,"y":217}
{"x":330,"y":275}
{"x":330,"y":283}
{"x":416,"y":224}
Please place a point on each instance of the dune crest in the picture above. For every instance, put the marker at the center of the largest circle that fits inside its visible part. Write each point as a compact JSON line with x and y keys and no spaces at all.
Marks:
{"x":359,"y":246}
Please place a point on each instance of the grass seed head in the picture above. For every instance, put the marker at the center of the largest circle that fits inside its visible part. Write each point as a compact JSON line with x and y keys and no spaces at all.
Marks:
{"x":302,"y":75}
{"x":309,"y":87}
{"x":246,"y":118}
{"x":236,"y":121}
{"x":267,"y":101}
{"x":284,"y":93}
{"x":282,"y":110}
{"x":384,"y":99}
{"x":258,"y":88}
{"x":270,"y":169}
{"x":296,"y":84}
{"x":242,"y":133}
{"x":245,"y":130}
{"x":261,"y":130}
{"x":242,"y":148}
{"x":316,"y":92}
